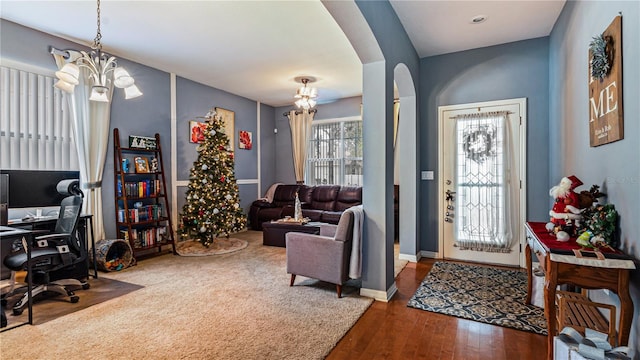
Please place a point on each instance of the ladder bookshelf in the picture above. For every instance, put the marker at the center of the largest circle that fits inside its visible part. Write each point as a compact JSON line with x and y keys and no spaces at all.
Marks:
{"x":142,"y":208}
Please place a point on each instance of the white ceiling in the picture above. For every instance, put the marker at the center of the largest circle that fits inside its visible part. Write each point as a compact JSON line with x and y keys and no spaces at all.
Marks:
{"x":255,"y":49}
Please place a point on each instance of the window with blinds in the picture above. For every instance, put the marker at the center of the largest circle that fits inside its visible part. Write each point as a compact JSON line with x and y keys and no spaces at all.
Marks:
{"x":334,"y":155}
{"x":35,"y":129}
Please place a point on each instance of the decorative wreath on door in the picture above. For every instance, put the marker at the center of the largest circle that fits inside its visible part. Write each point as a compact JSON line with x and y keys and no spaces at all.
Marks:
{"x":478,"y":144}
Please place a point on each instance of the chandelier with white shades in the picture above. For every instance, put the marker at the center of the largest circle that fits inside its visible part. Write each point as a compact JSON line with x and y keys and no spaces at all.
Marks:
{"x":306,"y":95}
{"x":103,"y":70}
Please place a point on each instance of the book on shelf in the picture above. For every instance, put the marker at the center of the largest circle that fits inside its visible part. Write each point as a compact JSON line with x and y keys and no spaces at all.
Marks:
{"x":147,"y":237}
{"x":143,"y":188}
{"x":142,"y":213}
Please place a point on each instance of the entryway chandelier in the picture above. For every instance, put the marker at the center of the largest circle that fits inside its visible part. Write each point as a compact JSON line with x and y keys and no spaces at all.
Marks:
{"x":103,"y":70}
{"x":306,"y":95}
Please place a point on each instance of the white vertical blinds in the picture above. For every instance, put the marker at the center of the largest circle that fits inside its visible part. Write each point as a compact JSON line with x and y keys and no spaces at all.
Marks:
{"x":35,"y":128}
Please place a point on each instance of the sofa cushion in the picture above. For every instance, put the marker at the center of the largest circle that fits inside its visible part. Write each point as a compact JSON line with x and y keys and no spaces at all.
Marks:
{"x":331,"y":217}
{"x":347,"y":197}
{"x":268,"y":214}
{"x":312,"y":214}
{"x":285,"y":195}
{"x":263,"y":204}
{"x":304,"y":193}
{"x":324,"y":197}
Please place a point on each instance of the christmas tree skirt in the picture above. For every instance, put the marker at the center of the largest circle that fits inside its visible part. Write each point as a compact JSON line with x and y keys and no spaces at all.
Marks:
{"x":219,"y":246}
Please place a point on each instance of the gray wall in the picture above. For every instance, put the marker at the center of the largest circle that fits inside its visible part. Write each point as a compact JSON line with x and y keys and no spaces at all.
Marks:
{"x":268,"y":154}
{"x":136,"y":116}
{"x":513,"y":70}
{"x":378,"y":96}
{"x":193,"y":101}
{"x":615,"y":166}
{"x":151,"y":113}
{"x":145,"y":115}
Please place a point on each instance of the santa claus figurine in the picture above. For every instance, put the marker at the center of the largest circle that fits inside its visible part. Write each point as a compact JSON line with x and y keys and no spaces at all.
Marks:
{"x":565,"y":212}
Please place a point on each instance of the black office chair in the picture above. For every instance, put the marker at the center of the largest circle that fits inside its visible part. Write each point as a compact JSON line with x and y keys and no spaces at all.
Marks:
{"x":52,"y":252}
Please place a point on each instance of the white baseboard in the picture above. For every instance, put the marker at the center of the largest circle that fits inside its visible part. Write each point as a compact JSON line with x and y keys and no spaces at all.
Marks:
{"x":409,"y":257}
{"x":380,"y":295}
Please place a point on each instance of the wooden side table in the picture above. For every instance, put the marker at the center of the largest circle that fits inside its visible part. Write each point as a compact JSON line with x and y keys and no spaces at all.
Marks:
{"x":561,"y":266}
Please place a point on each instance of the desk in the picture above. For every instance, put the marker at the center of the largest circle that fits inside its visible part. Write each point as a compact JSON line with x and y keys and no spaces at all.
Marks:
{"x":562,"y":267}
{"x":12,"y":234}
{"x":85,"y":227}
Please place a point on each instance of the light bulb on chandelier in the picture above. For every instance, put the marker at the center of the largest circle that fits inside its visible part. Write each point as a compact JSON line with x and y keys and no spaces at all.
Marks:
{"x":103,"y":71}
{"x":306,"y":95}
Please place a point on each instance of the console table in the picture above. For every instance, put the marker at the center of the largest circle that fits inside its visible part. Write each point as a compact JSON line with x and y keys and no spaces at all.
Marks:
{"x":561,"y":266}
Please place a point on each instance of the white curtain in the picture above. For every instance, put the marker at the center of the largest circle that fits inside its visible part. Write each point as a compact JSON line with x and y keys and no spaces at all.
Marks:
{"x":396,"y":121}
{"x":300,"y":124}
{"x":91,"y":130}
{"x":485,"y":183}
{"x":396,"y":153}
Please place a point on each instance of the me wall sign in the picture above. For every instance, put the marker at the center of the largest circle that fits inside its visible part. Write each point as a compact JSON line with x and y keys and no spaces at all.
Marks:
{"x":605,"y":95}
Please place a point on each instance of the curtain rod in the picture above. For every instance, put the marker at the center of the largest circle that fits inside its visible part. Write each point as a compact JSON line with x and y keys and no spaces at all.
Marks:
{"x":300,"y":112}
{"x":482,"y":113}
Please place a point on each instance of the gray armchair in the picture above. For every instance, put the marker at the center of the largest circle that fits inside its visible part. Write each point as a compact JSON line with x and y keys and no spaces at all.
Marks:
{"x":323,"y":257}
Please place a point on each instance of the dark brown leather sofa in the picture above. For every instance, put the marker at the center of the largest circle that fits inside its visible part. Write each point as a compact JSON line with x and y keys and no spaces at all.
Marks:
{"x":323,"y":203}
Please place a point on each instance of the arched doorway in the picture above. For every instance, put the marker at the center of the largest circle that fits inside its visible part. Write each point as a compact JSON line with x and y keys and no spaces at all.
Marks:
{"x":378,"y":281}
{"x":407,"y":173}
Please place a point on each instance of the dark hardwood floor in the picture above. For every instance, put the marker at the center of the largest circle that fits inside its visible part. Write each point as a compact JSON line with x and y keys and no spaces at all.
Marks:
{"x":394,"y":331}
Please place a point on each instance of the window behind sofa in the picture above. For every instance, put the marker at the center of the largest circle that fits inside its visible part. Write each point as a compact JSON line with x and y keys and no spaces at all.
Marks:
{"x":35,"y":130}
{"x":334,"y":155}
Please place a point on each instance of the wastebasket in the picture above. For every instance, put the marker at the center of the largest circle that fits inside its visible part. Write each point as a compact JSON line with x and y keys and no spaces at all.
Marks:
{"x":113,"y":255}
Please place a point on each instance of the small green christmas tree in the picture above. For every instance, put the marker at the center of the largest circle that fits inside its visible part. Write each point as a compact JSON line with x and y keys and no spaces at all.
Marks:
{"x":213,"y":205}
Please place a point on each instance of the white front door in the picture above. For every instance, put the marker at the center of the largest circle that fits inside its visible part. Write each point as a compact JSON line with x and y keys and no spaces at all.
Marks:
{"x":481,"y":192}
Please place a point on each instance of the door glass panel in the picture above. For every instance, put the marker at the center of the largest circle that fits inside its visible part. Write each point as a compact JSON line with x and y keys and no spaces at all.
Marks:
{"x":480,"y":183}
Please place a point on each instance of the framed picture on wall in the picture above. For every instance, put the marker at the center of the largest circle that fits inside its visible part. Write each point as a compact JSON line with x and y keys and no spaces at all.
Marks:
{"x":245,"y":139}
{"x":196,"y":131}
{"x":228,"y":117}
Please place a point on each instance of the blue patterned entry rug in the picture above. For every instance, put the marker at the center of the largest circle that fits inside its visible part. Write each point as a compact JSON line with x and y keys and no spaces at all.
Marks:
{"x":480,"y":293}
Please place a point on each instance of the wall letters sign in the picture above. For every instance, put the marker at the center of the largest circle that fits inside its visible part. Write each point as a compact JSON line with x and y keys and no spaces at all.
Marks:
{"x":605,"y":95}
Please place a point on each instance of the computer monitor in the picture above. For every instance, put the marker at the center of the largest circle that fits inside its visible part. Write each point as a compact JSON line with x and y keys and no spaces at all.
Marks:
{"x":4,"y":188}
{"x":4,"y":198}
{"x":33,"y":188}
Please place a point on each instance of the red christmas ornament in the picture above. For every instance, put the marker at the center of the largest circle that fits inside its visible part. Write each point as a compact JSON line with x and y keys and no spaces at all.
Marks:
{"x":220,"y":147}
{"x":201,"y":212}
{"x":231,"y":155}
{"x":222,"y":179}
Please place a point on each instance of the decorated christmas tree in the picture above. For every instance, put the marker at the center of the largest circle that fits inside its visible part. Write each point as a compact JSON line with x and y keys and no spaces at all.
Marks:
{"x":213,"y":206}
